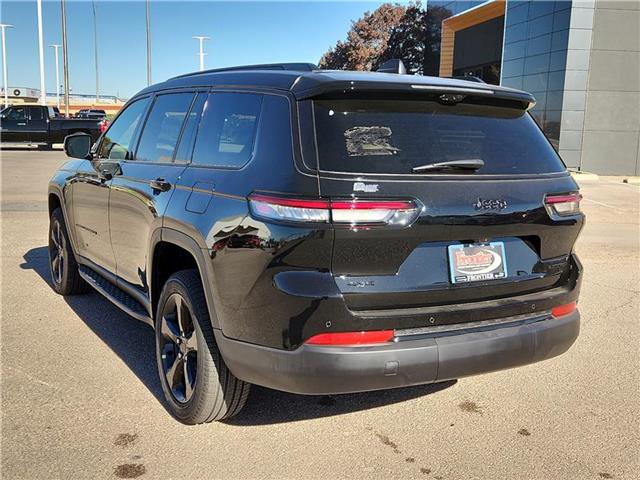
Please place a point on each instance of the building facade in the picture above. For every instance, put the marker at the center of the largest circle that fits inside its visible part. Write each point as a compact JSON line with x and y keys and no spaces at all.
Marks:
{"x":580,"y":59}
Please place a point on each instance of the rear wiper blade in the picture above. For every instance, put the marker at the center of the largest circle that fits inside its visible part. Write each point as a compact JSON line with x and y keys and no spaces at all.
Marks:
{"x":469,"y":164}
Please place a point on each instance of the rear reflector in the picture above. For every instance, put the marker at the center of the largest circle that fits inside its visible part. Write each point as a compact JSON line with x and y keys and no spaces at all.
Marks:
{"x":352,"y":338}
{"x":563,"y":205}
{"x":345,"y":212}
{"x":562,"y":310}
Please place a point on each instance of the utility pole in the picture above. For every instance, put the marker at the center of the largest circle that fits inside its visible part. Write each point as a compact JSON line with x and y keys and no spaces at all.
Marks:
{"x":95,"y":47}
{"x":148,"y":42}
{"x":201,"y":53}
{"x":3,"y":26}
{"x":65,"y":59}
{"x":56,"y":47}
{"x":43,"y":93}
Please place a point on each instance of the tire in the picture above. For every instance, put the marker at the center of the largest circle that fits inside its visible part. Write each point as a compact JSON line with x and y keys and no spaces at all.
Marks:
{"x":62,"y":263}
{"x":202,"y":388}
{"x":46,"y":147}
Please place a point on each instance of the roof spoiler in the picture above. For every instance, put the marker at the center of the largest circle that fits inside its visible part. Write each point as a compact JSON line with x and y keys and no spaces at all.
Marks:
{"x":394,"y":65}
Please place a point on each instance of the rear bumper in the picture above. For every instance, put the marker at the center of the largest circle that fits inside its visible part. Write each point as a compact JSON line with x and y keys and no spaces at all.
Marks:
{"x":414,"y":360}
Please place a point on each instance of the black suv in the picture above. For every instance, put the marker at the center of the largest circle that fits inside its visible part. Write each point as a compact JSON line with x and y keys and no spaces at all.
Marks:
{"x":322,"y":232}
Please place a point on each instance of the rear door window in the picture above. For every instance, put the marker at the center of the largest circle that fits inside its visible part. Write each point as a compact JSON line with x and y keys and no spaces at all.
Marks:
{"x":227,"y":130}
{"x":161,"y":131}
{"x":393,"y":137}
{"x":35,"y":114}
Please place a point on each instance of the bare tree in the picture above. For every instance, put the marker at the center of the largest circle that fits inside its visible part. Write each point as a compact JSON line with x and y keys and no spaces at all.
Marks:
{"x":366,"y":41}
{"x":410,"y":33}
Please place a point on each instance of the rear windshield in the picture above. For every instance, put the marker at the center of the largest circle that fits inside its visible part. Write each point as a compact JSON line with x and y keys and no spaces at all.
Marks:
{"x":393,"y":137}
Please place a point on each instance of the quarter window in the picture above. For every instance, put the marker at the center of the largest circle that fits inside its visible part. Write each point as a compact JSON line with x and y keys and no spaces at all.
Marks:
{"x":227,"y":130}
{"x":117,"y":139}
{"x":162,"y":129}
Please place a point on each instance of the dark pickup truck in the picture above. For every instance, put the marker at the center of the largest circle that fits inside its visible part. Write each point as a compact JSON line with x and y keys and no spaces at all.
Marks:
{"x":38,"y":124}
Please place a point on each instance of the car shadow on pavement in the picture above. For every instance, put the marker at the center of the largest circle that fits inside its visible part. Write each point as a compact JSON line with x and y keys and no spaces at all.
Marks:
{"x":267,"y":407}
{"x":134,"y":343}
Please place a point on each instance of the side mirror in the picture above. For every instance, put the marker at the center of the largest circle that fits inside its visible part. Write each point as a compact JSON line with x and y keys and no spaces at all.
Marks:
{"x":78,"y":145}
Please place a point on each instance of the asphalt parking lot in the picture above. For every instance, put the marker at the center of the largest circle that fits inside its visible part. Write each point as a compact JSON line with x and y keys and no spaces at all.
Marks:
{"x":80,"y":397}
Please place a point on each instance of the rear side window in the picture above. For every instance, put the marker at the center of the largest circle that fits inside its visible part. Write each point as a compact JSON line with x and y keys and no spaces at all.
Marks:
{"x":162,"y":129}
{"x":393,"y":137}
{"x":227,"y":130}
{"x":35,"y":113}
{"x":115,"y":144}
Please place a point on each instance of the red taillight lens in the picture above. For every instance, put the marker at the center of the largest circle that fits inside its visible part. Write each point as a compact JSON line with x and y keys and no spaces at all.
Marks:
{"x":347,"y":212}
{"x":103,"y":126}
{"x":562,"y":310}
{"x":351,"y":338}
{"x":563,"y":205}
{"x":289,"y":209}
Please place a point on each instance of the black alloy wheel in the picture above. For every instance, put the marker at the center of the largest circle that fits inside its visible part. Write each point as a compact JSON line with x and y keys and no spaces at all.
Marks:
{"x":196,"y":382}
{"x":65,"y":276}
{"x":178,"y":348}
{"x":57,"y":247}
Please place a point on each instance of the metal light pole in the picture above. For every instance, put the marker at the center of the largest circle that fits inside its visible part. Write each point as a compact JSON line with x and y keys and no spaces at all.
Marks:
{"x":56,"y":47}
{"x":201,"y":53}
{"x":148,"y":42}
{"x":95,"y":46}
{"x":5,"y":84}
{"x":65,"y":59}
{"x":43,"y":93}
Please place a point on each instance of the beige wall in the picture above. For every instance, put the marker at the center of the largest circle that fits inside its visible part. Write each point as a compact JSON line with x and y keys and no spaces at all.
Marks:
{"x":611,"y":134}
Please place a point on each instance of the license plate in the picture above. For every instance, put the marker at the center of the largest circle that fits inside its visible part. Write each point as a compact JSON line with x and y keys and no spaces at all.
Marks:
{"x":477,"y":262}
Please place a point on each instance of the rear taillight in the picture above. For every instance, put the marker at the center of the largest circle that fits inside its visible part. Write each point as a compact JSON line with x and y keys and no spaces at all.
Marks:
{"x":340,"y":212}
{"x":562,"y":310}
{"x":103,"y":126}
{"x":563,"y":205}
{"x":352,"y":338}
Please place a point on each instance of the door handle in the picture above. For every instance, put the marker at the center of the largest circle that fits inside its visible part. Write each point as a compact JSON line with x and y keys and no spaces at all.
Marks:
{"x":22,"y":124}
{"x":160,"y":185}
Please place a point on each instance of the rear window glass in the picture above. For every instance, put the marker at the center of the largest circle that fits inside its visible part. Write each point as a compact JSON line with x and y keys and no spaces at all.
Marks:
{"x":393,"y":137}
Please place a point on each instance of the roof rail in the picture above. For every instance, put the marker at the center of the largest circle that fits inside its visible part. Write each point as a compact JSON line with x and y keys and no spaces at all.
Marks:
{"x":468,"y":78}
{"x":304,"y":67}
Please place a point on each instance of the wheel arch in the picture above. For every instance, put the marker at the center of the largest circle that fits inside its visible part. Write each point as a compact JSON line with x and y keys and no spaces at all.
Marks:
{"x":54,"y":202}
{"x":182,"y":252}
{"x":56,"y":199}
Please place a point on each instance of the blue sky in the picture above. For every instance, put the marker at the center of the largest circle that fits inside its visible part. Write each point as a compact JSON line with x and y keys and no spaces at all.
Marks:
{"x":242,"y":33}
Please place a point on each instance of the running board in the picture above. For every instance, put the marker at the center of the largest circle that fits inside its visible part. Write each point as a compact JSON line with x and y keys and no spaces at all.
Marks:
{"x":115,"y":295}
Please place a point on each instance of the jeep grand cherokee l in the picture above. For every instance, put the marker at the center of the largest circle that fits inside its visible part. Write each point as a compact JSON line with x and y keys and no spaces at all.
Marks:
{"x":322,"y":232}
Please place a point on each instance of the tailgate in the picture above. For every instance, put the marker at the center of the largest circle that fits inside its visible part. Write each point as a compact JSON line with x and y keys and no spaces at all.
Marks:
{"x":370,"y":150}
{"x":409,"y":267}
